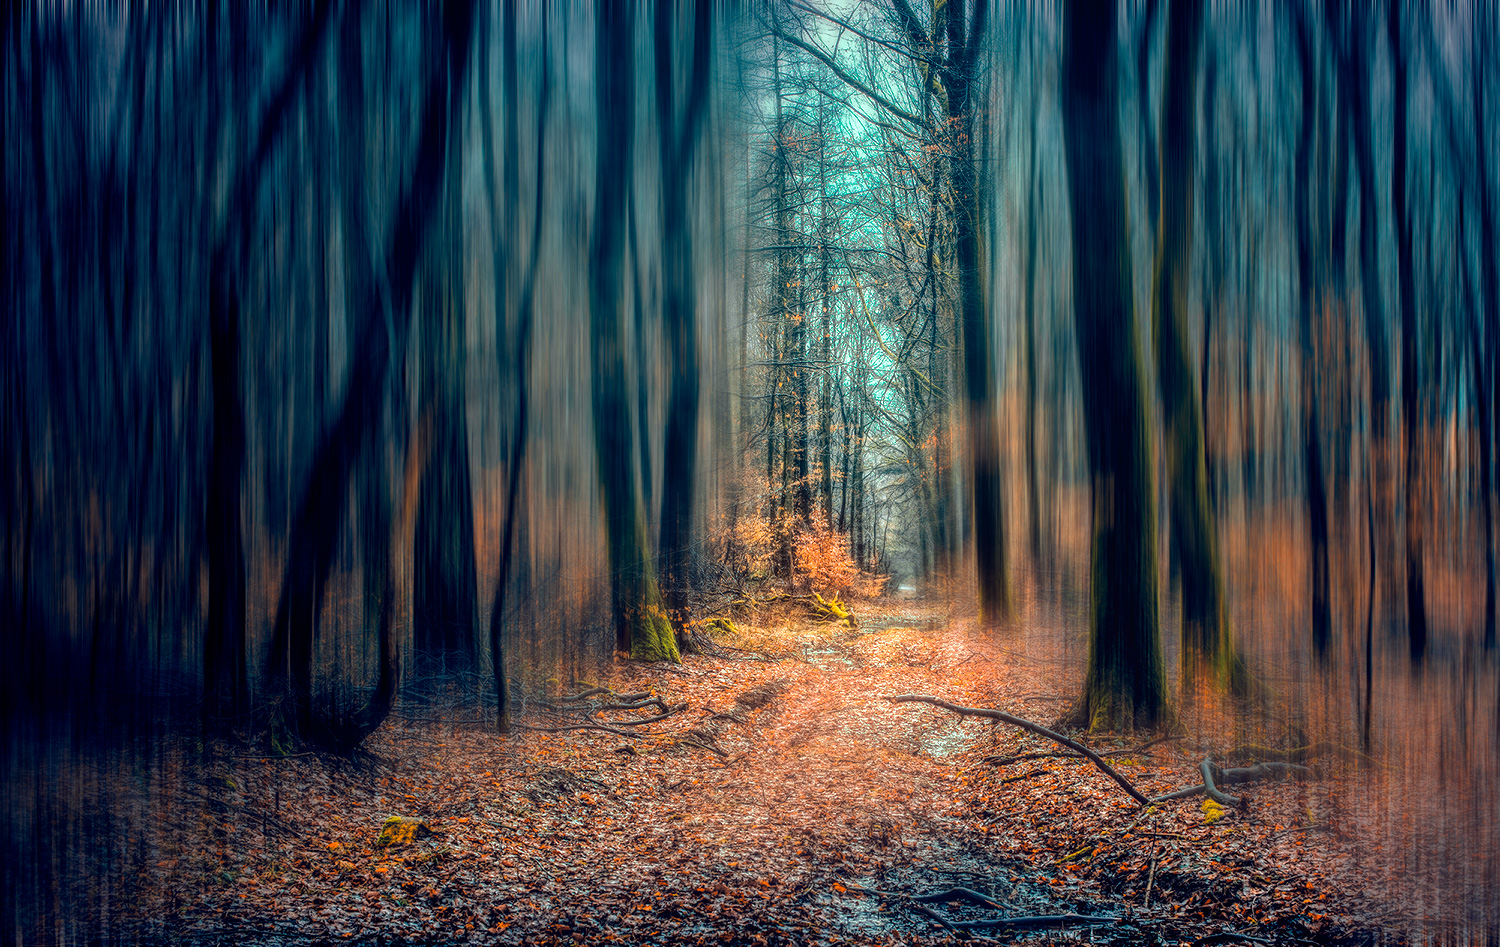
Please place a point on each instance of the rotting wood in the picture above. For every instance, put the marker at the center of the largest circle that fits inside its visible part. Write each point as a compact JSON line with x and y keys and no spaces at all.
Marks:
{"x":1036,"y":728}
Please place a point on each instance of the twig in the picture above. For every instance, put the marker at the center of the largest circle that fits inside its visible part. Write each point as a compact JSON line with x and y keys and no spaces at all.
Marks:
{"x":1150,"y":880}
{"x":1039,"y":771}
{"x":1038,"y":729}
{"x":266,"y":819}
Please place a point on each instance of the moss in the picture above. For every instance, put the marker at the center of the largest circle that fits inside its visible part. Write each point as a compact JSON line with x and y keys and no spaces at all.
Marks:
{"x":652,"y":638}
{"x":400,"y":830}
{"x":722,"y":624}
{"x":831,"y":609}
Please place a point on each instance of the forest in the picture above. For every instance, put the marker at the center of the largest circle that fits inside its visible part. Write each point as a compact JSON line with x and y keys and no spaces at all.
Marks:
{"x":775,"y":472}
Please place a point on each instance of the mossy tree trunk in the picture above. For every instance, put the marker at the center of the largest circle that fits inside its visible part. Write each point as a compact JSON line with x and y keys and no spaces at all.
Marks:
{"x":1207,"y":644}
{"x":1125,"y":685}
{"x":641,"y":627}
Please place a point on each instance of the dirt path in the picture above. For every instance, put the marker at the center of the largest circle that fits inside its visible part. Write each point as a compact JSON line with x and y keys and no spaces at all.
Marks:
{"x":765,"y":811}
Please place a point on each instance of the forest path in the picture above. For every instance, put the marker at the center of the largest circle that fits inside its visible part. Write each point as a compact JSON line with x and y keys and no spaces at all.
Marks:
{"x":765,"y":810}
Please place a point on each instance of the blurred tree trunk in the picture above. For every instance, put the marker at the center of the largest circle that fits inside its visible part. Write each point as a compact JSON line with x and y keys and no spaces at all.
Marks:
{"x":1416,"y":595}
{"x":444,"y":580}
{"x":965,"y":180}
{"x":1361,"y":85}
{"x":1489,"y":281}
{"x":225,"y":665}
{"x":677,"y":146}
{"x":1028,"y":288}
{"x":502,"y":227}
{"x":1207,"y":642}
{"x":1308,"y":257}
{"x":1125,"y":684}
{"x":320,"y":514}
{"x":641,"y":626}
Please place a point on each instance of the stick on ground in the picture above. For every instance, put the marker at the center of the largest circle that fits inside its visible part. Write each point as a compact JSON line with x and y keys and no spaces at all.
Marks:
{"x":1036,"y":728}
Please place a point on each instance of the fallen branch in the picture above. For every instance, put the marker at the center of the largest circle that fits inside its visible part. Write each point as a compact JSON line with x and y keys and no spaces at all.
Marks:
{"x":578,"y":726}
{"x":661,"y":716}
{"x":1042,"y":920}
{"x":929,"y":912}
{"x":1233,"y":776}
{"x":1227,"y":937}
{"x":1267,"y":770}
{"x":957,"y":894}
{"x":1036,"y":728}
{"x":1213,"y":792}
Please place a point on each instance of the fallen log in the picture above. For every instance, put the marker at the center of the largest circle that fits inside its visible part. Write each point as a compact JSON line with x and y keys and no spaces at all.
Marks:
{"x":1036,"y":728}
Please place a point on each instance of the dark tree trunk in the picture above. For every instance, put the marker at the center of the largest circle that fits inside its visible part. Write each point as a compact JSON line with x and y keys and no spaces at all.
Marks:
{"x":985,"y":476}
{"x":320,"y":514}
{"x":1307,"y":306}
{"x":1207,"y":644}
{"x":225,"y":662}
{"x":445,"y":588}
{"x":1125,"y":684}
{"x":1489,"y":282}
{"x":1416,"y":595}
{"x":641,"y":627}
{"x":1361,"y":88}
{"x":677,"y":147}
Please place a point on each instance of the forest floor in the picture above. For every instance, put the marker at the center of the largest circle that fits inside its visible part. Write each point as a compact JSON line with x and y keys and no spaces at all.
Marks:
{"x":786,"y":803}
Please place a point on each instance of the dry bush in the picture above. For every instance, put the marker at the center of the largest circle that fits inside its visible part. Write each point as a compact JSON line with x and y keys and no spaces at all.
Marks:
{"x":824,"y":563}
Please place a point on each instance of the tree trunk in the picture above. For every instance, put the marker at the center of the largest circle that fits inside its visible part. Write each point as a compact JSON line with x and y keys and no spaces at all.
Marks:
{"x":1125,"y":684}
{"x":1416,"y":595}
{"x":678,"y":139}
{"x":965,"y":182}
{"x":444,"y":574}
{"x":315,"y":527}
{"x":1207,"y":643}
{"x":641,"y":627}
{"x":1307,"y":305}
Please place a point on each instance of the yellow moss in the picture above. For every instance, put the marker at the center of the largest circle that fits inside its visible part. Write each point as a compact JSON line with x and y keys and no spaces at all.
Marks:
{"x":400,"y":830}
{"x":1212,"y":811}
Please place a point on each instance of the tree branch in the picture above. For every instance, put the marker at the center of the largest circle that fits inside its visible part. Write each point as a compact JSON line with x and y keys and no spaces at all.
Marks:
{"x":1036,"y":728}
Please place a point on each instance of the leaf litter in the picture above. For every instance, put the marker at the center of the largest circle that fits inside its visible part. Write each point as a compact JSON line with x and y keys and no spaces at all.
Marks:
{"x":781,"y":802}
